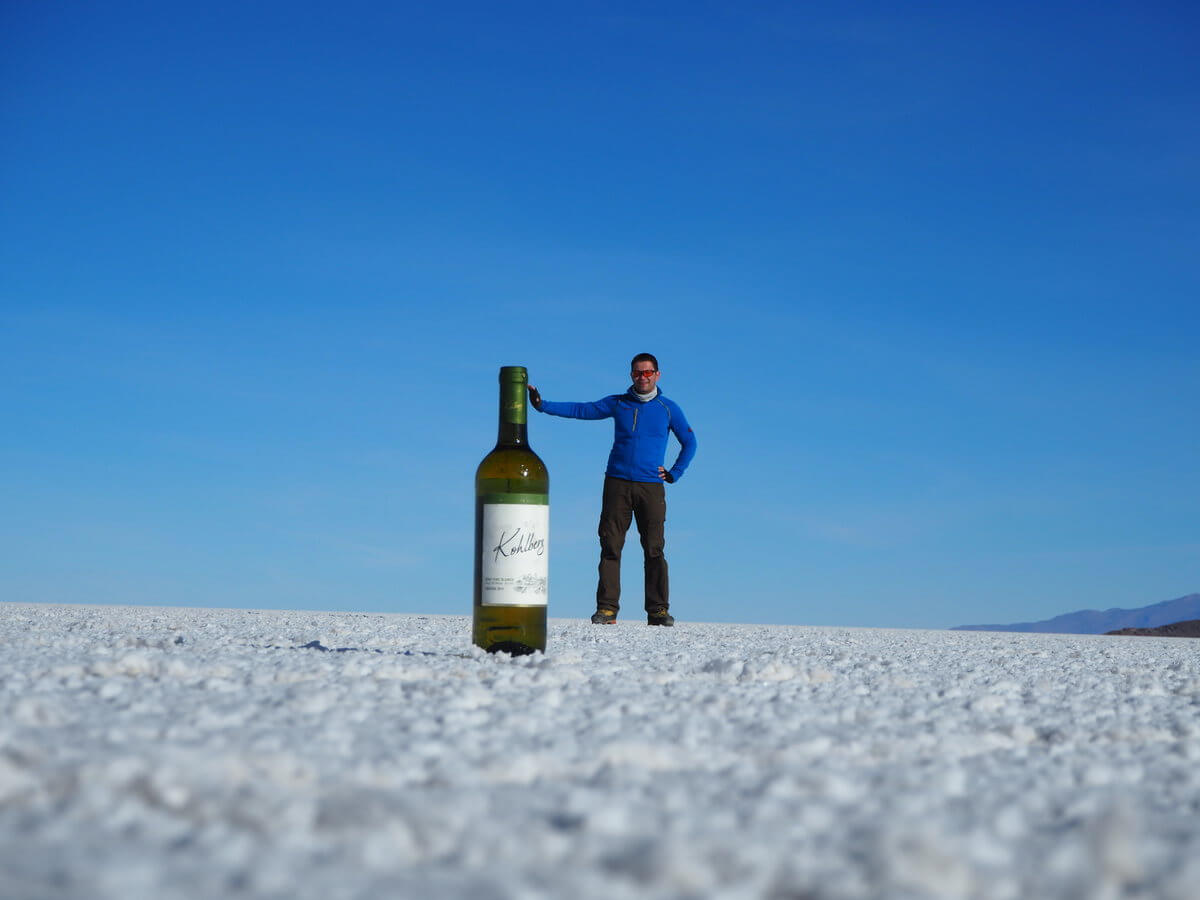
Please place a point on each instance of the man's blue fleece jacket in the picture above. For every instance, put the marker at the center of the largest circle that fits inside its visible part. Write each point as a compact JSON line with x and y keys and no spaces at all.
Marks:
{"x":639,"y":433}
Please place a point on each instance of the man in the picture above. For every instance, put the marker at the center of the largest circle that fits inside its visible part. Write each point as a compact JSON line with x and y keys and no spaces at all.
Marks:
{"x":633,"y":482}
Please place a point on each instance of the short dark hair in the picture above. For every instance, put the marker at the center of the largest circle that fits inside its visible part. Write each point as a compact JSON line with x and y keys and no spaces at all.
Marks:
{"x":644,"y":357}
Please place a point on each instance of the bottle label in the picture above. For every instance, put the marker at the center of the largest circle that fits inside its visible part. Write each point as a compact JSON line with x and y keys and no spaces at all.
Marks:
{"x":516,"y":554}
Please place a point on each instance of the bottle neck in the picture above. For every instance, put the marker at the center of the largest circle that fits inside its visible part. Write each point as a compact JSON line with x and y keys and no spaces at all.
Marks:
{"x":513,"y":430}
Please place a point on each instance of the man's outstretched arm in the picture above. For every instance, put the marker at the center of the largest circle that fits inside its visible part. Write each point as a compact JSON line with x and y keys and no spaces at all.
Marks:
{"x":601,"y":409}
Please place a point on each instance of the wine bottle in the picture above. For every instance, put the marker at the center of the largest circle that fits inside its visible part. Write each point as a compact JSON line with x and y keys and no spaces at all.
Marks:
{"x":512,"y":532}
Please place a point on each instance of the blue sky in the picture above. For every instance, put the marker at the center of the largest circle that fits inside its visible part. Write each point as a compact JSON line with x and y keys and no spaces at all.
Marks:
{"x":924,"y":280}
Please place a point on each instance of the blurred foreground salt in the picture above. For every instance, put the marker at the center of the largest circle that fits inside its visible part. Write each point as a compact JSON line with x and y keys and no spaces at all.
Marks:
{"x":177,"y":753}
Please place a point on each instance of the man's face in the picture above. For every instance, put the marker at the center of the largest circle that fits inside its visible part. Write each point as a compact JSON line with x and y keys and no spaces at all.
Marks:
{"x":645,"y":377}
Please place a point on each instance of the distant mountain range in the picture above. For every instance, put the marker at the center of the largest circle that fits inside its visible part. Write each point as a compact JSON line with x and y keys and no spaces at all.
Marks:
{"x":1094,"y":621}
{"x":1190,"y":629}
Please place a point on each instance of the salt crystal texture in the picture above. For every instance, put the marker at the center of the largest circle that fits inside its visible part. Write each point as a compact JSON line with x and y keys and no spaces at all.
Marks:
{"x":179,"y":753}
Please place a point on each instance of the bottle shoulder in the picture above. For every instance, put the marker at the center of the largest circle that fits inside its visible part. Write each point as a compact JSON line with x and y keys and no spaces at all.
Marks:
{"x":513,"y":464}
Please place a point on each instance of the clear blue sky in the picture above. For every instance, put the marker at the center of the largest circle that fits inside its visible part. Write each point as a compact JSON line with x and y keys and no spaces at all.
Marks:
{"x":924,"y":280}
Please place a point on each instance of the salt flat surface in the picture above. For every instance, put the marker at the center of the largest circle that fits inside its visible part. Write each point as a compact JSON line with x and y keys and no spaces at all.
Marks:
{"x":179,"y":753}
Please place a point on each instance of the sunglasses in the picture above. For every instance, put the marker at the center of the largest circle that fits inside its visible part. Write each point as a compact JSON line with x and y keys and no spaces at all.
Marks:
{"x":644,"y":373}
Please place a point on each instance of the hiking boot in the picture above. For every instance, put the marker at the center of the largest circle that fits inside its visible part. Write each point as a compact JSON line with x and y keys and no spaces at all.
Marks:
{"x":604,"y":617}
{"x":659,"y":617}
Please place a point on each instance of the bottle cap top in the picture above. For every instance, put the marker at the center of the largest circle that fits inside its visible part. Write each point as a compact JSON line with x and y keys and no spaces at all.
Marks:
{"x":513,"y":373}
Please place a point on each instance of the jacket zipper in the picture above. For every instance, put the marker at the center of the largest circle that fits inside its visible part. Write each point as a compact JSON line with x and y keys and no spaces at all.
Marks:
{"x":635,"y":414}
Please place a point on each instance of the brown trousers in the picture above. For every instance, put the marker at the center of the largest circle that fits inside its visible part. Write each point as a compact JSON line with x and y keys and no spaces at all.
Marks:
{"x":647,"y":503}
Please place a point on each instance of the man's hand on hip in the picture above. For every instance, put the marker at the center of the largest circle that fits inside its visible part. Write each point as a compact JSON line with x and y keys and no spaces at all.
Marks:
{"x":665,"y":475}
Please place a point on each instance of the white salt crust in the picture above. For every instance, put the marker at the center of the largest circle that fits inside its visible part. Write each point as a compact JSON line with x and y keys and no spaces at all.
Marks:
{"x":181,"y":753}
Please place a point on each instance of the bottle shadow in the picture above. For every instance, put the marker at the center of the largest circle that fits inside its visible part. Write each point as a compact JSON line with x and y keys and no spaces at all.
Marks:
{"x":317,"y":645}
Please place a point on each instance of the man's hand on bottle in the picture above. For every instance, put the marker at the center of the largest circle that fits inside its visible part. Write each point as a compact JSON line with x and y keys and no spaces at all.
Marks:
{"x":534,"y":397}
{"x":665,"y":475}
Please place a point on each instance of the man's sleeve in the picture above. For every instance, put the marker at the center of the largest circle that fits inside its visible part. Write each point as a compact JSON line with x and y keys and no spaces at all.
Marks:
{"x":601,"y":409}
{"x":687,"y":440}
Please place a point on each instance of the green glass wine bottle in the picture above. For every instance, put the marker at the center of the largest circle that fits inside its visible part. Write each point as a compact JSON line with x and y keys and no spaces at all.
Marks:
{"x":512,"y":532}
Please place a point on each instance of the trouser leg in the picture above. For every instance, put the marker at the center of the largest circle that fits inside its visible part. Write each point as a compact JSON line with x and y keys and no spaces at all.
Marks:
{"x":616,"y":514}
{"x":650,"y":509}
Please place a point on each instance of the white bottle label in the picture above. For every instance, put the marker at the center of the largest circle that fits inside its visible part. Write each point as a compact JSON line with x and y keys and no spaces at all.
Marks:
{"x":516,"y":554}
